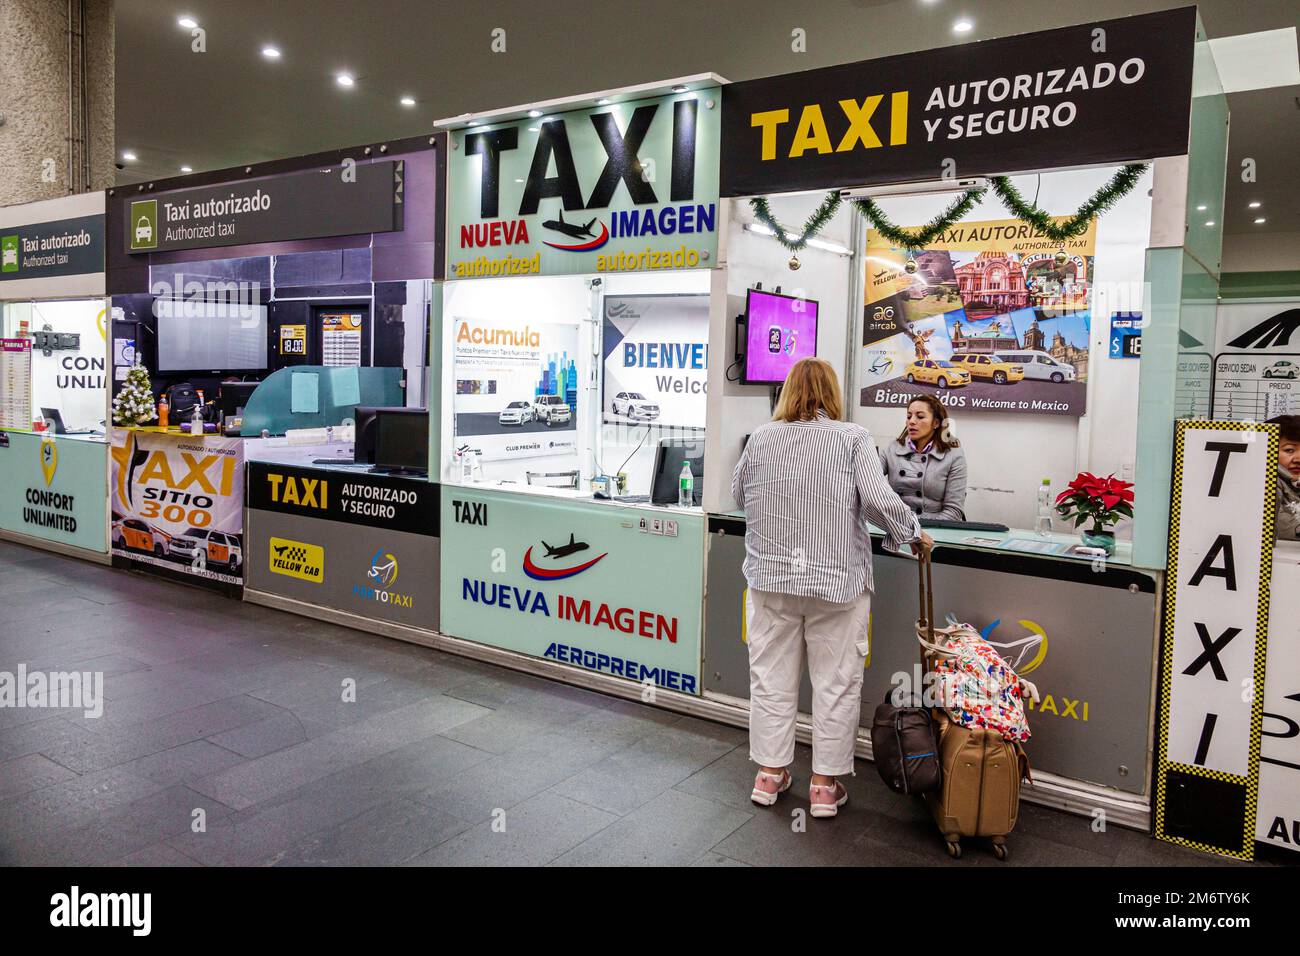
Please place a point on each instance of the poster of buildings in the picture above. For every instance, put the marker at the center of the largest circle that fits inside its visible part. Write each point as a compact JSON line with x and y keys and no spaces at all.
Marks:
{"x":993,"y":316}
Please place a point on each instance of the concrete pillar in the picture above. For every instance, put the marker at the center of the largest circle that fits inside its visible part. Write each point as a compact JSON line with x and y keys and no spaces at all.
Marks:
{"x":35,"y":97}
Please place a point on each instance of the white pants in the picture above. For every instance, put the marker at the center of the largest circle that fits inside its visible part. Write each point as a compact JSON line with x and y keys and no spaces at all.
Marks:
{"x":779,"y":628}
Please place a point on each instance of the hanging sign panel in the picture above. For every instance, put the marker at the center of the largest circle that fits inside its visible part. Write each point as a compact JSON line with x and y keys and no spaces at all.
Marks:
{"x":628,"y":187}
{"x":341,"y":201}
{"x":43,"y":250}
{"x":1214,"y":643}
{"x":1059,"y":98}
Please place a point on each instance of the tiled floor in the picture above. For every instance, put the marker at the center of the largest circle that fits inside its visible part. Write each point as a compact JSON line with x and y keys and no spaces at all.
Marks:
{"x":225,"y":740}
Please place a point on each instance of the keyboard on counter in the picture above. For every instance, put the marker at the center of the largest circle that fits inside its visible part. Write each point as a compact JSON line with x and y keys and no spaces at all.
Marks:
{"x":963,"y":525}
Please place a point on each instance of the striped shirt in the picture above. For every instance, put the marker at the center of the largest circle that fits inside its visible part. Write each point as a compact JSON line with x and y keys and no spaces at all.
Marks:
{"x":808,"y":489}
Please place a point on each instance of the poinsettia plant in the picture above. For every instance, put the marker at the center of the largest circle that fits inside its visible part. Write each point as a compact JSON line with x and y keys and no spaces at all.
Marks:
{"x":1103,"y":500}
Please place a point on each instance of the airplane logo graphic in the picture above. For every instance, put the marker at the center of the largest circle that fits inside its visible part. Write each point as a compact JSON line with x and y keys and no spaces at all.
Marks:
{"x":383,"y":569}
{"x":1273,"y":331}
{"x":577,"y":231}
{"x":555,"y":553}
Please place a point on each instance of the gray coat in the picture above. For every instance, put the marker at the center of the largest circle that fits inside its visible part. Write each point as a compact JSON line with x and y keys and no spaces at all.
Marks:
{"x":1287,"y":521}
{"x":931,"y":483}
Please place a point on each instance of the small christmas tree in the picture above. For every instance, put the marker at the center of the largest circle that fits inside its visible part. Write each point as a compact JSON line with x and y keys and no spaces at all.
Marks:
{"x":134,"y":403}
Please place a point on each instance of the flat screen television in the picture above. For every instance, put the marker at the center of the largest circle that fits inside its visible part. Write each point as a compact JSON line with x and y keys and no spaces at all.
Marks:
{"x":779,"y":331}
{"x":210,"y":336}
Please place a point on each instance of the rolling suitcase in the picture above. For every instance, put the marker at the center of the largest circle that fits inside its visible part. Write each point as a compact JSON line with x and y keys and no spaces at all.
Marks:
{"x":980,"y":791}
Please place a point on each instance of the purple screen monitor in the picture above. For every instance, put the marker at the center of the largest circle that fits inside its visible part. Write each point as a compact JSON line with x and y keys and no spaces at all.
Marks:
{"x":779,"y":331}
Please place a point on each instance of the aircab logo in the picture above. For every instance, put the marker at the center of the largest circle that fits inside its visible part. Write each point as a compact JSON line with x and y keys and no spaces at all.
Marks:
{"x":569,"y":229}
{"x":380,"y":578}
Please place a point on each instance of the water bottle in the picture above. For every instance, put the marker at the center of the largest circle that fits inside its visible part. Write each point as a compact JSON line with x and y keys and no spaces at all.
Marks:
{"x":196,"y":422}
{"x":686,"y":487}
{"x":1043,"y":525}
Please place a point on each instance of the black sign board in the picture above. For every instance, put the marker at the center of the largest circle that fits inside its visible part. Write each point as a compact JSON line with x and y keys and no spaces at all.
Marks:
{"x":63,"y":247}
{"x":353,"y":497}
{"x":1117,"y":91}
{"x":343,"y":200}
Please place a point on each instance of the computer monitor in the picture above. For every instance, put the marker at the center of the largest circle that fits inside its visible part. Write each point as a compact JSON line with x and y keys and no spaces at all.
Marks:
{"x":668,"y":469}
{"x":779,"y":331}
{"x":233,"y":397}
{"x":365,"y":421}
{"x":402,"y":440}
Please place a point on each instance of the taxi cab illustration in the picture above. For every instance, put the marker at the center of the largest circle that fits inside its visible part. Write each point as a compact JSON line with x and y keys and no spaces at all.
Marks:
{"x":10,"y":255}
{"x":132,"y":534}
{"x":143,"y":231}
{"x":208,"y":549}
{"x":937,"y":372}
{"x":989,"y":367}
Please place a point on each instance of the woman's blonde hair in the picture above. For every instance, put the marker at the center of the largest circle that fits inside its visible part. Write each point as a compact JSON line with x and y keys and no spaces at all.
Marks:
{"x":811,"y":386}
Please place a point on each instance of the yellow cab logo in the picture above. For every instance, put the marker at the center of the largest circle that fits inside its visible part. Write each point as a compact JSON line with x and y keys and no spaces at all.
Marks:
{"x":49,"y":459}
{"x":297,"y":560}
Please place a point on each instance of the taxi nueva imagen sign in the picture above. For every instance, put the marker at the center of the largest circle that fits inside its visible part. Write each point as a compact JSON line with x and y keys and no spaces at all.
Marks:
{"x":617,"y":188}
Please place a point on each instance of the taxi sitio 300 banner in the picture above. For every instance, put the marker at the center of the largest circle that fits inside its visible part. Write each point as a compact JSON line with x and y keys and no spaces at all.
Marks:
{"x":178,"y":503}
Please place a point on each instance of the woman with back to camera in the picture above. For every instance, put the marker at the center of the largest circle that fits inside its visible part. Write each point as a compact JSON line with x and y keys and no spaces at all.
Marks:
{"x":925,"y":464}
{"x":808,"y":483}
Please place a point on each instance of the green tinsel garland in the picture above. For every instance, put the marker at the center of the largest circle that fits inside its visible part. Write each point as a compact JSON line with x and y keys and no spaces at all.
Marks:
{"x":815,"y":224}
{"x":913,"y":239}
{"x":1120,"y":185}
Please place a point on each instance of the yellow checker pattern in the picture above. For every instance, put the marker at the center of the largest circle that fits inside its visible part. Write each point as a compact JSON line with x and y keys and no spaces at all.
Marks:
{"x":1163,"y":764}
{"x":297,"y":560}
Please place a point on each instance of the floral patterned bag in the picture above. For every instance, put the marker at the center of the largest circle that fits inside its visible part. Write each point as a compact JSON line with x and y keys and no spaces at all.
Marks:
{"x":977,"y":688}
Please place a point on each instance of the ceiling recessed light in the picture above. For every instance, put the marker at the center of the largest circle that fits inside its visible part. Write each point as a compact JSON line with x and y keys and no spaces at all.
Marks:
{"x":534,"y":113}
{"x":533,"y":129}
{"x":1260,"y":221}
{"x":128,"y":156}
{"x":189,"y":23}
{"x":271,"y":52}
{"x":1256,"y":204}
{"x":963,"y":26}
{"x":187,"y":169}
{"x":519,"y":180}
{"x":1210,"y":223}
{"x":603,"y":101}
{"x":679,"y":88}
{"x":475,"y":122}
{"x":408,"y":101}
{"x":345,"y":79}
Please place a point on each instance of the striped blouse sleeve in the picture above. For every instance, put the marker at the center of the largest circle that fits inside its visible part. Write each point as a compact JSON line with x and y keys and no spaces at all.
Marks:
{"x":880,"y":502}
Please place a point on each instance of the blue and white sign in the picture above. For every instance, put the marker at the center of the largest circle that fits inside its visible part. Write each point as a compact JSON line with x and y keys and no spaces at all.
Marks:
{"x":1126,"y":335}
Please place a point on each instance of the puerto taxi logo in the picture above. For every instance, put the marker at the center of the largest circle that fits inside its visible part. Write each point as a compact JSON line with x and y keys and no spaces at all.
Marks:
{"x":557,"y":571}
{"x":380,"y":578}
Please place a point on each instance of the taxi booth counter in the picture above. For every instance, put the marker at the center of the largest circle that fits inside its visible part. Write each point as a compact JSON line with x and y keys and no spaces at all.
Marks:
{"x":538,"y":572}
{"x":53,"y":377}
{"x":1092,"y":630}
{"x":322,"y":308}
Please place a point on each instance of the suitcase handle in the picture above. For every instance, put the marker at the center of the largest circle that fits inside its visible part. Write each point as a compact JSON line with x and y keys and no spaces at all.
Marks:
{"x":925,"y":623}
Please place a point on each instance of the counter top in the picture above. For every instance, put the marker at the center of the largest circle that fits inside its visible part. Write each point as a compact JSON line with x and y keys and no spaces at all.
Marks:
{"x":1018,"y":542}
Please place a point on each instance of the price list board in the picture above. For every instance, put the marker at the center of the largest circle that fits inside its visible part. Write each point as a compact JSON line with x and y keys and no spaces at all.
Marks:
{"x":15,"y":384}
{"x":1193,"y":385}
{"x":341,"y":339}
{"x":1256,"y":387}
